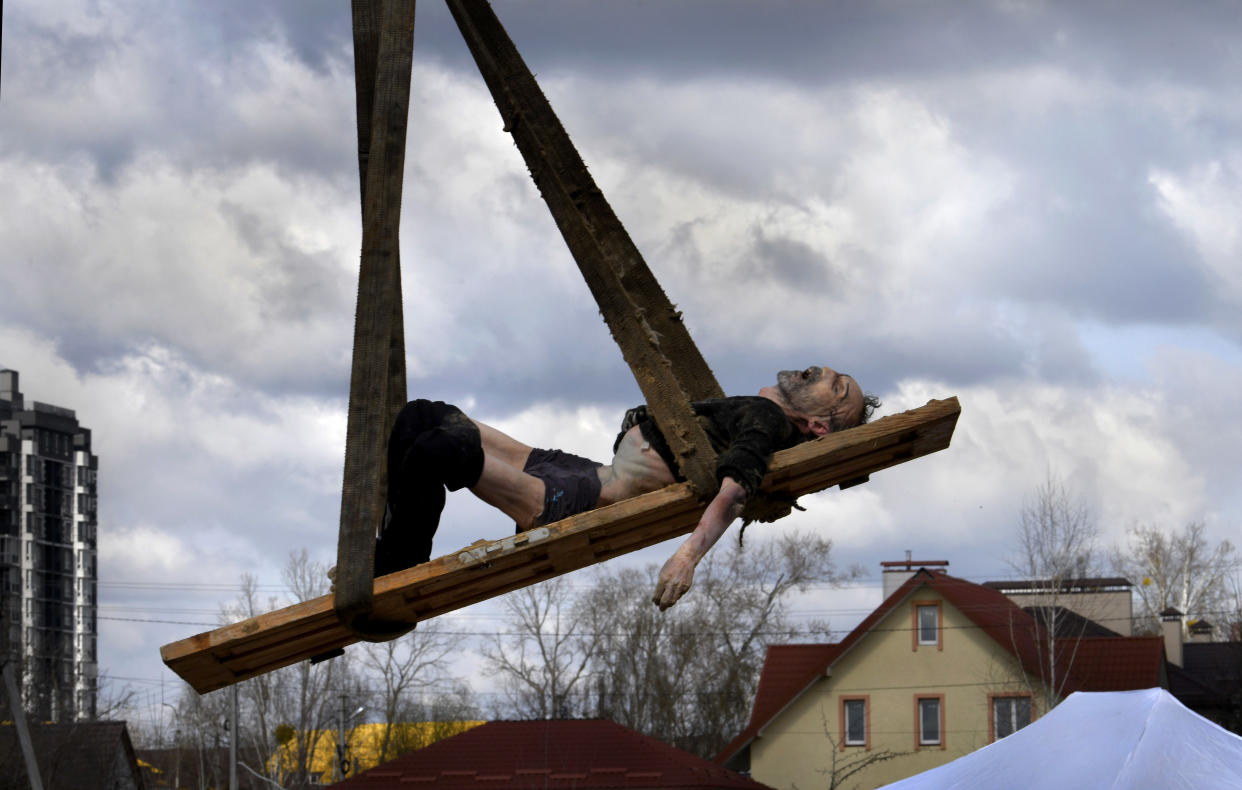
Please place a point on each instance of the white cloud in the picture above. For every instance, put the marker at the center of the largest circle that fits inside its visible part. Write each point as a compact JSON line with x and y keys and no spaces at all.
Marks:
{"x":180,"y":243}
{"x":584,"y":430}
{"x":1112,"y":447}
{"x":1204,"y":202}
{"x":146,"y":552}
{"x":246,"y":270}
{"x":884,"y":227}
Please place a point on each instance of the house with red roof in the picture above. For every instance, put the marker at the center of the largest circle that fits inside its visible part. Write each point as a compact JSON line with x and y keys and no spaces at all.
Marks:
{"x":584,"y":754}
{"x":942,"y":667}
{"x":80,"y":755}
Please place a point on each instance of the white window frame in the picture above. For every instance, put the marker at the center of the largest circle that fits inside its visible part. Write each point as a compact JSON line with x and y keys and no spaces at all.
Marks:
{"x":923,"y":739}
{"x":860,"y":705}
{"x":920,"y":611}
{"x":1012,"y":719}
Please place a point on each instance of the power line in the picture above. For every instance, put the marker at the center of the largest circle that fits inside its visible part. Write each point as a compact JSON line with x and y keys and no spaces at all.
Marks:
{"x":673,"y":631}
{"x":147,"y":620}
{"x":861,"y":583}
{"x":1002,"y":685}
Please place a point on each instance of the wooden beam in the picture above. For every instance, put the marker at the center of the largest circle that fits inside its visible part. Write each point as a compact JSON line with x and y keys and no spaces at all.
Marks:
{"x":485,"y":569}
{"x":649,"y":330}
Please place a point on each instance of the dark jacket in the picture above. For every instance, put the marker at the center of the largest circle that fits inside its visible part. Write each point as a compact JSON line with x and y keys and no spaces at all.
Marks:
{"x":744,"y":431}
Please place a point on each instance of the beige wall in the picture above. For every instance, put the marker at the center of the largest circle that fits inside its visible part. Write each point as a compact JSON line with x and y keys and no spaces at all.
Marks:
{"x":793,"y":750}
{"x":1113,"y":609}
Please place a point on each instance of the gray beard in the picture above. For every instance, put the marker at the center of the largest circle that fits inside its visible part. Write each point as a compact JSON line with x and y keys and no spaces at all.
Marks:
{"x":792,"y":387}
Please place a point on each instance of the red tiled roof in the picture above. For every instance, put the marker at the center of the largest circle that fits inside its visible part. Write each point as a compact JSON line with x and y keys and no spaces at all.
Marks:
{"x":998,"y":617}
{"x":787,"y":670}
{"x":590,"y":753}
{"x":1114,"y":664}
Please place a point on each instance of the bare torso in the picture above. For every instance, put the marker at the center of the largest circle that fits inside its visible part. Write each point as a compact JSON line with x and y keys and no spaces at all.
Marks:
{"x":635,"y":469}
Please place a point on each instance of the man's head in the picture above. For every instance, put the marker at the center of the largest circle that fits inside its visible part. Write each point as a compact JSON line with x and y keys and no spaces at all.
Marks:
{"x":820,"y":400}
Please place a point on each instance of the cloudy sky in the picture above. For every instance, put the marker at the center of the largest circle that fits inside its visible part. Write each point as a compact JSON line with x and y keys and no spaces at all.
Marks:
{"x":1031,"y":206}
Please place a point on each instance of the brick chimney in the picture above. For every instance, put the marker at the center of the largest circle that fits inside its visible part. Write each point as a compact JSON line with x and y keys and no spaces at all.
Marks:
{"x":896,"y":572}
{"x":1171,"y":629}
{"x":1201,"y":631}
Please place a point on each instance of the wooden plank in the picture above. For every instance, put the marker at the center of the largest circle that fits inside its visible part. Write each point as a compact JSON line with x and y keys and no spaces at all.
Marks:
{"x":215,"y":659}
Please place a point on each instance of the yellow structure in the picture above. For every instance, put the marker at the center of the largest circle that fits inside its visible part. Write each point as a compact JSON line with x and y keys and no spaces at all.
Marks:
{"x":365,"y":743}
{"x":941,"y":668}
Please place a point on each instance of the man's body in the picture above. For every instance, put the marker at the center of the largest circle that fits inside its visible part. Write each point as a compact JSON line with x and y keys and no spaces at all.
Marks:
{"x":434,"y":446}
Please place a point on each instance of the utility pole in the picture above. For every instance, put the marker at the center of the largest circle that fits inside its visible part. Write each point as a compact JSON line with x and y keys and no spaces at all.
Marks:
{"x":16,"y":710}
{"x":19,"y":719}
{"x":233,"y":743}
{"x":338,"y":770}
{"x":177,"y":770}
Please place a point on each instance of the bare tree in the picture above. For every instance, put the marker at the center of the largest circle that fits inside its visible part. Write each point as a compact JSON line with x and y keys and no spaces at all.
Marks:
{"x":402,"y":667}
{"x":637,"y":681}
{"x":284,"y":714}
{"x":1057,"y":535}
{"x":429,"y":717}
{"x":257,"y":696}
{"x":544,"y":659}
{"x":202,"y":734}
{"x":742,"y":606}
{"x":113,"y":700}
{"x":304,"y":695}
{"x":1233,"y":606}
{"x":1057,"y":545}
{"x":686,"y":676}
{"x":1180,"y":570}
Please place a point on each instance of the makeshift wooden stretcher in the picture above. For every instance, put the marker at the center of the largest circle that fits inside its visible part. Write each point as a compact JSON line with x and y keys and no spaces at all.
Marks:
{"x":218,"y":658}
{"x":669,"y":370}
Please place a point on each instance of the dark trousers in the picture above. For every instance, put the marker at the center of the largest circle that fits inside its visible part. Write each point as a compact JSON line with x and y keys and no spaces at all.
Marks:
{"x":433,"y":446}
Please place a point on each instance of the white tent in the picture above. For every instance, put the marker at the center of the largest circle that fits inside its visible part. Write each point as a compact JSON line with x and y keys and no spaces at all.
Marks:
{"x":1116,"y":740}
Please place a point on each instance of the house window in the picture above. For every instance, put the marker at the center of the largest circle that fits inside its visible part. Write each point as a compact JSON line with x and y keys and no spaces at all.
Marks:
{"x":927,"y":625}
{"x":1010,"y":714}
{"x":929,"y":628}
{"x":930,"y":725}
{"x":855,"y":729}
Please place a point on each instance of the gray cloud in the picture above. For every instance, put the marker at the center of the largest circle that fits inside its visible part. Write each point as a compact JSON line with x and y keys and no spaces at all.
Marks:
{"x":1025,"y":204}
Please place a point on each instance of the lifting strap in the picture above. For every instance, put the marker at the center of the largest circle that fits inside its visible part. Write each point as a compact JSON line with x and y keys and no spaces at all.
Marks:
{"x":654,"y":341}
{"x":669,"y":369}
{"x":383,"y":57}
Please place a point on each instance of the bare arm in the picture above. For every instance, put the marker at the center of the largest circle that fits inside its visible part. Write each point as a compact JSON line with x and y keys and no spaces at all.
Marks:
{"x":678,"y":573}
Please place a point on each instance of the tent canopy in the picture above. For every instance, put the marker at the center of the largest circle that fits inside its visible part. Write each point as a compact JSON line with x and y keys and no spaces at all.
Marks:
{"x":1117,"y":740}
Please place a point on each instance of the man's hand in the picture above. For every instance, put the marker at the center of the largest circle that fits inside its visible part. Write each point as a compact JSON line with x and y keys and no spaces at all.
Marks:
{"x":678,"y":573}
{"x":675,"y":579}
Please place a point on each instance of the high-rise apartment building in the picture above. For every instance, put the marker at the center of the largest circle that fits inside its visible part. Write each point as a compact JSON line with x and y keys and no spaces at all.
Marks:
{"x":47,"y":554}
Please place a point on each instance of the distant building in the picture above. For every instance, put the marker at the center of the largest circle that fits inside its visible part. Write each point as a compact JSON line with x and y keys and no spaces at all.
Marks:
{"x":96,"y":755}
{"x":1106,"y":601}
{"x":941,"y":668}
{"x":1205,"y":675}
{"x":48,"y":574}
